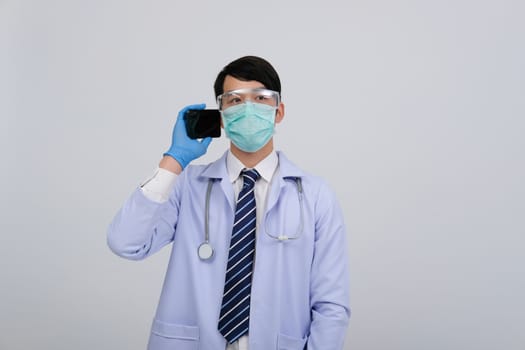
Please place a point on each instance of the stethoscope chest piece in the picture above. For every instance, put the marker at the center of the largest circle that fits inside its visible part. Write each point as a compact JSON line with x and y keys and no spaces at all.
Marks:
{"x":205,"y":251}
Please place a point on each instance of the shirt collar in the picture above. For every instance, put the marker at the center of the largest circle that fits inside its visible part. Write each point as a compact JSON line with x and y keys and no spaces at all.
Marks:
{"x":266,"y":167}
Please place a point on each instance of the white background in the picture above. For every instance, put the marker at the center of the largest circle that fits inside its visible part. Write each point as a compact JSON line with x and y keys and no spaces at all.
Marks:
{"x":412,"y":110}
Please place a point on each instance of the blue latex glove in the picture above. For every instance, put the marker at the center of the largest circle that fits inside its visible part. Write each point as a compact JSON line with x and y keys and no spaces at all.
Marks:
{"x":182,"y":148}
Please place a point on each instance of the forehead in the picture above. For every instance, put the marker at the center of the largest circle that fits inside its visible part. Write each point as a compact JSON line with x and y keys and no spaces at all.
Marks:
{"x":231,"y":83}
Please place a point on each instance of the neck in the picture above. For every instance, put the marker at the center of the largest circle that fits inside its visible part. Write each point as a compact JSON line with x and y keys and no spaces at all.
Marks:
{"x":251,"y":159}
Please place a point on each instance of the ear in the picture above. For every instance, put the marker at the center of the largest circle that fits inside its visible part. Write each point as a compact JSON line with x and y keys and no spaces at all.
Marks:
{"x":279,"y":115}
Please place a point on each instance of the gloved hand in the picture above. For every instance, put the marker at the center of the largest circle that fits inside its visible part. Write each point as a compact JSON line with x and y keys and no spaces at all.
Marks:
{"x":184,"y":149}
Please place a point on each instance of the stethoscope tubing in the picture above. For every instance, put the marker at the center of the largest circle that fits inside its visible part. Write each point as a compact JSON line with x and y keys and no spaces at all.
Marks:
{"x":205,"y":249}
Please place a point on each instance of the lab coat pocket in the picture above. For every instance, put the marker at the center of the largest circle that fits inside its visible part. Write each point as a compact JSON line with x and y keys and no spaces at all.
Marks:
{"x":166,"y":336}
{"x":285,"y":342}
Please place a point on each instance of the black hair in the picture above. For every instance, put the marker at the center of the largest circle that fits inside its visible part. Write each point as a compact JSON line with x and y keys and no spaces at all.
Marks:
{"x":249,"y":68}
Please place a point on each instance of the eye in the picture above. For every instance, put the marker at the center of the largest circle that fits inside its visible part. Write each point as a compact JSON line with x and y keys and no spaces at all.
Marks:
{"x":261,"y":98}
{"x":233,"y":100}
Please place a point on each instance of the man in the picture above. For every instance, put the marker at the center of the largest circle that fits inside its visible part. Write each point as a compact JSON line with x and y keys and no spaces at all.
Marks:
{"x":259,"y":255}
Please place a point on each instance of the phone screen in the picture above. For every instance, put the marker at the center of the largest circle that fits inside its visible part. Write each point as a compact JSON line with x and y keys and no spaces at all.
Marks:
{"x":201,"y":123}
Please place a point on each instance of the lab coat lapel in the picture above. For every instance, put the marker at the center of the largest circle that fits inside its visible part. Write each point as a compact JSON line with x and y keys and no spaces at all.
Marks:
{"x":217,"y":170}
{"x":286,"y":169}
{"x":276,"y":186}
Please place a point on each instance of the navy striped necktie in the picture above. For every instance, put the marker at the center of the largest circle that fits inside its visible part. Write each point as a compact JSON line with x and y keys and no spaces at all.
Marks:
{"x":235,"y":310}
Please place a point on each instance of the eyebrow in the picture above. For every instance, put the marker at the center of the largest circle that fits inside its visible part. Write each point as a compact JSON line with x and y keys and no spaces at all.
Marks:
{"x":247,"y":89}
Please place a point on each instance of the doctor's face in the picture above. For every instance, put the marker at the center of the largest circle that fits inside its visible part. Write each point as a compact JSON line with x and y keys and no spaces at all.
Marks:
{"x":231,"y":83}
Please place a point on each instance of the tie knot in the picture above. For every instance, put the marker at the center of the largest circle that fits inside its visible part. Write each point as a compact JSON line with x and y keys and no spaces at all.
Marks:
{"x":249,"y":177}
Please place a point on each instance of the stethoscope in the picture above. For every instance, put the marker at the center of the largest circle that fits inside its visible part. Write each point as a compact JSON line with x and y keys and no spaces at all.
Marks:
{"x":205,"y":250}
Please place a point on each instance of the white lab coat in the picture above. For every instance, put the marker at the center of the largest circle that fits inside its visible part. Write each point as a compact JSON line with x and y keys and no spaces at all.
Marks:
{"x":300,"y":288}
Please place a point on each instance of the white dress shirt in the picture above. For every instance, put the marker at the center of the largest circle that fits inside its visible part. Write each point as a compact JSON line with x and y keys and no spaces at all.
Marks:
{"x":158,"y":187}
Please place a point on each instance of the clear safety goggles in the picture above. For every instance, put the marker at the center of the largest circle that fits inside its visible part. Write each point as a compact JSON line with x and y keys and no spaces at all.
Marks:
{"x":258,"y":95}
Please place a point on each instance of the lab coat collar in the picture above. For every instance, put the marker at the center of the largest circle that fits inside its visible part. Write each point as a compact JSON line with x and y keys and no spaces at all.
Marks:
{"x":287,"y":169}
{"x":218,"y":169}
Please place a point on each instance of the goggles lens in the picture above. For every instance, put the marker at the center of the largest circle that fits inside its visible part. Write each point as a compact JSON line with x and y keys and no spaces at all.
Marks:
{"x":259,"y":95}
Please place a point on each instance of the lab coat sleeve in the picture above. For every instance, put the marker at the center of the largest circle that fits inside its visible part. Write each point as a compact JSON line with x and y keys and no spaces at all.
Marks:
{"x":143,"y":226}
{"x":329,"y":291}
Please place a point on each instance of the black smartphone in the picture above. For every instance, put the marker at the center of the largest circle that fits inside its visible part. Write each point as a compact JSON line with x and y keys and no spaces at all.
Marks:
{"x":201,"y":123}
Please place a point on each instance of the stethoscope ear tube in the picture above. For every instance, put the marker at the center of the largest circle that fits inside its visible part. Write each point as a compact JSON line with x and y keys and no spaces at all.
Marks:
{"x":282,"y":237}
{"x":205,"y":250}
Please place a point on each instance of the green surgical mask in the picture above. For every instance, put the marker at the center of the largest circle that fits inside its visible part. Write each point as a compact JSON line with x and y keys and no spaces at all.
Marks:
{"x":249,"y":125}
